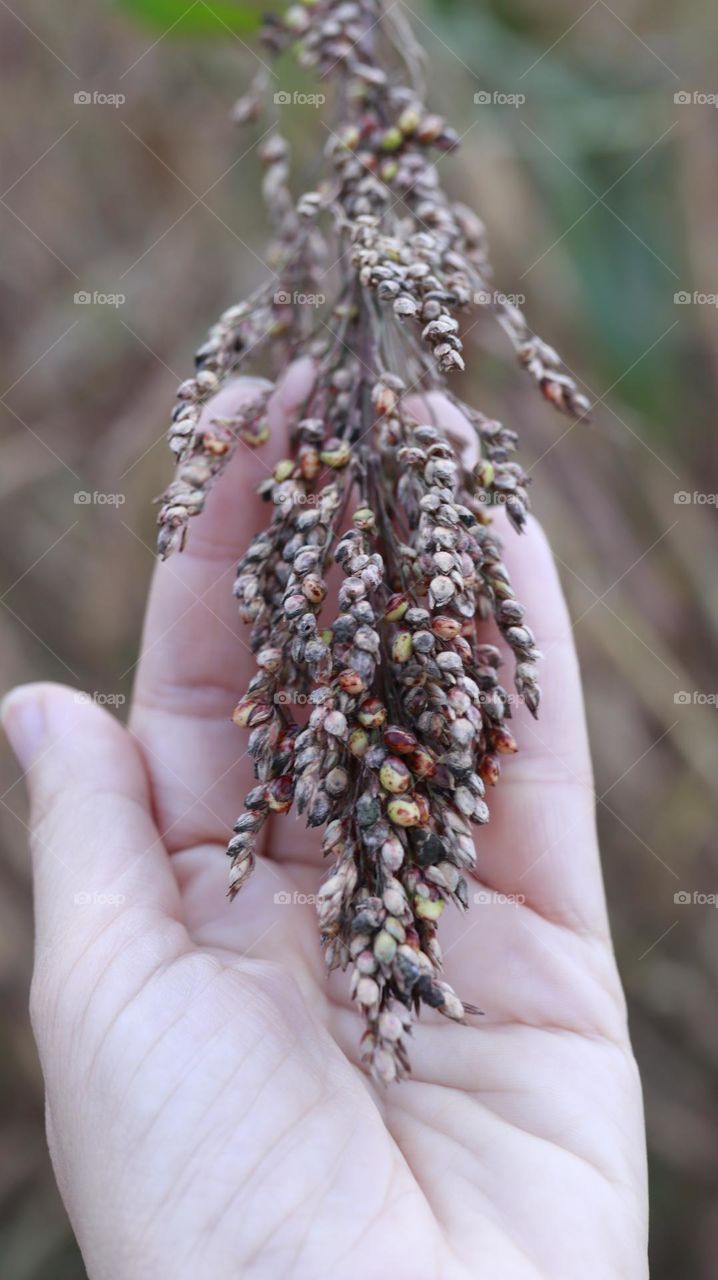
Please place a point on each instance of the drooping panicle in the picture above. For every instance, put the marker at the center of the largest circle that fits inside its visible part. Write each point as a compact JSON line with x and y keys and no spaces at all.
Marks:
{"x":376,"y":712}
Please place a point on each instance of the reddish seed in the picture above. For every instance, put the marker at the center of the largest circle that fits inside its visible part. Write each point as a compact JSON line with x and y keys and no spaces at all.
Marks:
{"x":490,"y":770}
{"x":314,"y":588}
{"x":280,"y":793}
{"x":351,"y":682}
{"x":394,"y":775}
{"x":372,"y":713}
{"x":503,"y":741}
{"x":399,"y":740}
{"x":446,"y":627}
{"x":309,"y":463}
{"x":422,"y":763}
{"x":396,"y":607}
{"x":424,"y":809}
{"x":404,"y":813}
{"x":249,"y":713}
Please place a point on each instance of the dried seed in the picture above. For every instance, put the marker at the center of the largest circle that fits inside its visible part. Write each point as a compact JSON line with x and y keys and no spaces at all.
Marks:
{"x":392,"y":853}
{"x":280,"y":794}
{"x":314,"y":588}
{"x":396,"y":608}
{"x":336,"y":724}
{"x":336,"y":454}
{"x":384,"y":947}
{"x":358,"y":743}
{"x":249,"y":713}
{"x":351,"y":682}
{"x":441,"y":591}
{"x":367,"y":993}
{"x":404,"y":813}
{"x":372,"y":713}
{"x":503,"y":741}
{"x":394,"y":775}
{"x":336,"y":782}
{"x":428,"y":908}
{"x":402,"y":646}
{"x":399,"y":740}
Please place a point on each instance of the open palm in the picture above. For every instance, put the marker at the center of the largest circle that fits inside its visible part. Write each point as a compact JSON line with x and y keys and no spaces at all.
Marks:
{"x":207,"y":1116}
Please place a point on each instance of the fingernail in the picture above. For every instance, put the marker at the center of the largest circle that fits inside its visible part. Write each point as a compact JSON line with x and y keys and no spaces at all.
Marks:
{"x":22,"y":715}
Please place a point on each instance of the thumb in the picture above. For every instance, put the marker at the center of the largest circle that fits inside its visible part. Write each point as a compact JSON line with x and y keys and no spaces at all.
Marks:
{"x":96,"y":850}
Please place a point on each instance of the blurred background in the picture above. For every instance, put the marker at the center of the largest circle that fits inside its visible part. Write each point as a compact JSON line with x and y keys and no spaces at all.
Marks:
{"x":594,"y":162}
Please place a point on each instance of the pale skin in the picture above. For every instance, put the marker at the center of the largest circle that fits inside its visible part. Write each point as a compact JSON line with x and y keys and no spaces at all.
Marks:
{"x":206,"y":1113}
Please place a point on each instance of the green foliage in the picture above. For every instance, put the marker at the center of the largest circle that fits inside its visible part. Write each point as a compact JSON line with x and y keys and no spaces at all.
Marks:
{"x":588,"y":137}
{"x":200,"y":19}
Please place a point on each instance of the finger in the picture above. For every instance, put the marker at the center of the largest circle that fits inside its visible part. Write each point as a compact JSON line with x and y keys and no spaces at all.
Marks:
{"x":98,"y":860}
{"x":196,"y":660}
{"x":541,"y":841}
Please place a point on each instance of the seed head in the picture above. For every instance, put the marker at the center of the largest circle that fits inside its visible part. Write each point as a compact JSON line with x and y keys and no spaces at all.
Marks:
{"x":375,"y":710}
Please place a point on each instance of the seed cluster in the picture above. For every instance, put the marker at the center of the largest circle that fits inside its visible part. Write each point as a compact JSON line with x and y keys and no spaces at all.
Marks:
{"x":377,"y":710}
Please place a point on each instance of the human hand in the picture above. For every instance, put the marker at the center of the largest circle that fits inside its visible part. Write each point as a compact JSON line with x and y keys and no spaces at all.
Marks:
{"x":206,"y":1114}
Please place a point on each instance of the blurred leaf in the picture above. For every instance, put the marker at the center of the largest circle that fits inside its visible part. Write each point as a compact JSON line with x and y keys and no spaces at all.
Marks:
{"x":198,"y":18}
{"x":592,"y":125}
